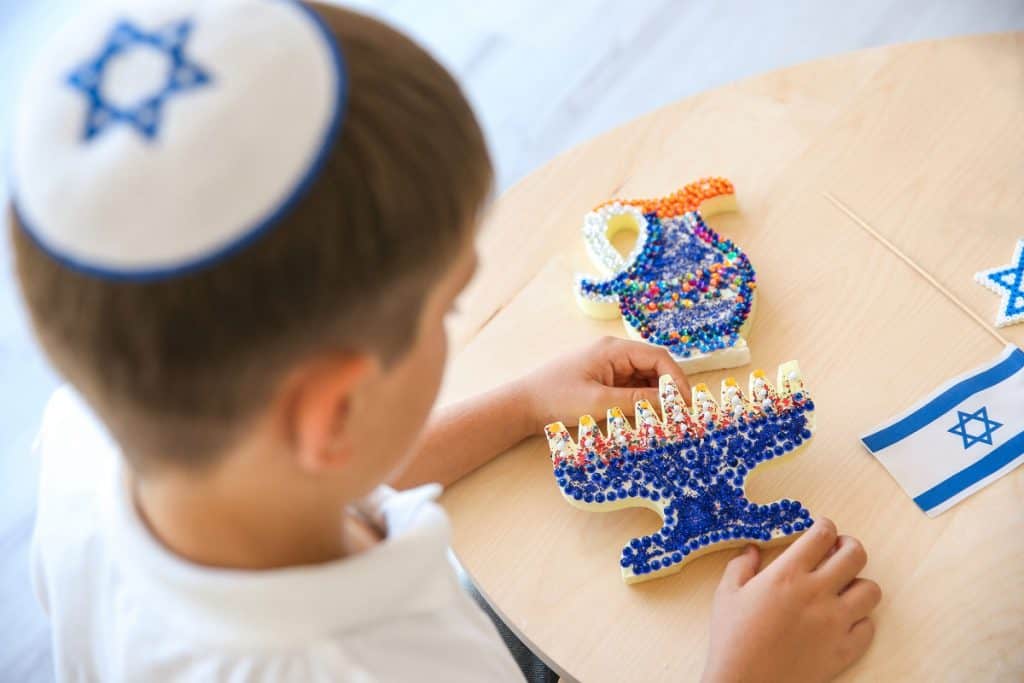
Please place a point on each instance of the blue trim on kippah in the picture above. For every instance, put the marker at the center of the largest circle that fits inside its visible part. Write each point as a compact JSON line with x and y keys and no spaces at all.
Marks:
{"x":253,"y":233}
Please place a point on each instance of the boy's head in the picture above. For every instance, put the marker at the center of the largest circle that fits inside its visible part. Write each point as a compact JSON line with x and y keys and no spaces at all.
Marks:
{"x":326,"y":330}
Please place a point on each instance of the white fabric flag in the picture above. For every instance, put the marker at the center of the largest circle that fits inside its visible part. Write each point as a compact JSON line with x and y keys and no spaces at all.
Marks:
{"x":965,"y":435}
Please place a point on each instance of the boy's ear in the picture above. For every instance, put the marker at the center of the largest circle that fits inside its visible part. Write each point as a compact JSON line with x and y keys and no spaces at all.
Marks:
{"x":319,"y":401}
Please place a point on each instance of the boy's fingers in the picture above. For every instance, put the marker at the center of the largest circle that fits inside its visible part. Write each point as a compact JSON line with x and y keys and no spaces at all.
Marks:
{"x":861,"y":597}
{"x":808,"y":550}
{"x":742,"y":568}
{"x":658,"y":360}
{"x":631,"y":357}
{"x":859,"y":639}
{"x":626,"y":398}
{"x":842,"y":567}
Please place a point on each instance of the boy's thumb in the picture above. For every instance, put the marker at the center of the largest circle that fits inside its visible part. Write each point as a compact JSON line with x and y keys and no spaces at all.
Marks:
{"x":743,"y":567}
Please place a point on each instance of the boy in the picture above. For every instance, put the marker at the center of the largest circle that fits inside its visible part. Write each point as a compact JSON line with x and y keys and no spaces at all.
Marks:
{"x":259,"y":382}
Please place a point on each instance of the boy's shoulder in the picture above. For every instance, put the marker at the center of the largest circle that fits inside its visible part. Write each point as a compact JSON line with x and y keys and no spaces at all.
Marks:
{"x":77,"y":463}
{"x":122,"y":606}
{"x":76,"y":453}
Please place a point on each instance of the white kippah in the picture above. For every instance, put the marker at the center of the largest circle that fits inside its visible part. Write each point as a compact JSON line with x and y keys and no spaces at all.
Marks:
{"x":155,"y":137}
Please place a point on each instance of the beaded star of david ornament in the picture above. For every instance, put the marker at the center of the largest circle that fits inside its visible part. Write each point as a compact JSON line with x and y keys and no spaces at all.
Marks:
{"x":682,"y":286}
{"x":690,"y":465}
{"x":155,"y":137}
{"x":1008,"y":282}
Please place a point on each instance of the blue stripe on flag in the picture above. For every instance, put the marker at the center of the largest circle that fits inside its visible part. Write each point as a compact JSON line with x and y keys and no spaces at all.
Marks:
{"x":944,"y":402}
{"x":997,"y":459}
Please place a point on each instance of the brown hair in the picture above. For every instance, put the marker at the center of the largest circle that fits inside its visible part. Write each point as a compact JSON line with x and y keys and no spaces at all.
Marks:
{"x":175,"y":367}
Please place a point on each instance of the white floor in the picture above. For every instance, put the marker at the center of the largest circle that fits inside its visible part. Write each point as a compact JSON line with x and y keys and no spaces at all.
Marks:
{"x":543,"y":76}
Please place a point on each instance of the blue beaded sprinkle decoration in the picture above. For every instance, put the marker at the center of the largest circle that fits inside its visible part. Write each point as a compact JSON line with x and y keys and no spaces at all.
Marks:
{"x":690,"y":466}
{"x":1007,"y":281}
{"x":682,"y":287}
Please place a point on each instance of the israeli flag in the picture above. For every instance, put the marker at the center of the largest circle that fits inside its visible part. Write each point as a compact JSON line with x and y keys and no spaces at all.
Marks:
{"x":960,"y":439}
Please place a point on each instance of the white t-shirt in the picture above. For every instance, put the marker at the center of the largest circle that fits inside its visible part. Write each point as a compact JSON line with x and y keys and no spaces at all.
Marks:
{"x":124,"y":608}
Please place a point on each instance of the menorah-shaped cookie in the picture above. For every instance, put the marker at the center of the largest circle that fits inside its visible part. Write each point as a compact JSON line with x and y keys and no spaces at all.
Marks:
{"x":690,"y":466}
{"x":682,"y":286}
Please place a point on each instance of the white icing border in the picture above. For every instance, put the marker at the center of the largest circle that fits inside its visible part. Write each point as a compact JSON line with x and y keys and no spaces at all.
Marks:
{"x":598,"y":229}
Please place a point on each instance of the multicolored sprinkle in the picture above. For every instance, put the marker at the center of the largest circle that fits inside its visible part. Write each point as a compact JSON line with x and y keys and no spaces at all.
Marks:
{"x":682,"y":286}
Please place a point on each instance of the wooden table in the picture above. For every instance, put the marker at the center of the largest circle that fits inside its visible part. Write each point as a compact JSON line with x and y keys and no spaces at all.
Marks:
{"x":925,"y":144}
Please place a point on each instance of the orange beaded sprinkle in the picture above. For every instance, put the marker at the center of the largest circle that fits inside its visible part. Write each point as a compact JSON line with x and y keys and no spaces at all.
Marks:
{"x":689,"y":198}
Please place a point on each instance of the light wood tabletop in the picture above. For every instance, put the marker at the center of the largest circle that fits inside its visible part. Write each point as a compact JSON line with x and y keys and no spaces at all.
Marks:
{"x":923,"y":145}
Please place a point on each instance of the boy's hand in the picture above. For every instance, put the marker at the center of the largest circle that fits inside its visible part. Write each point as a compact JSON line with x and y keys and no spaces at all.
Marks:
{"x":611,"y":372}
{"x":804,"y":618}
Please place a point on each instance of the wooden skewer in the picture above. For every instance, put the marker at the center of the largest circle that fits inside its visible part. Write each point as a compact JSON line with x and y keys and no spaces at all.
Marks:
{"x":920,"y":271}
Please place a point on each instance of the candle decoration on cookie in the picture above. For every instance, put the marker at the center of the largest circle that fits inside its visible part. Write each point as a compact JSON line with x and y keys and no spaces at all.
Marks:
{"x":682,"y":286}
{"x":690,"y":465}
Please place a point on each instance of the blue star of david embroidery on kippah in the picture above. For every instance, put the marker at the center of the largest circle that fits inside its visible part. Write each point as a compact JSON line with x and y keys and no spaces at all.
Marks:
{"x":979,"y":415}
{"x":144,"y":115}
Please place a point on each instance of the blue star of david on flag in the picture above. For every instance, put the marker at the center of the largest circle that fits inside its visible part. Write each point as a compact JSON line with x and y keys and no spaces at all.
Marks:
{"x":144,"y":115}
{"x":963,"y":422}
{"x":1008,"y":281}
{"x":932,"y":448}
